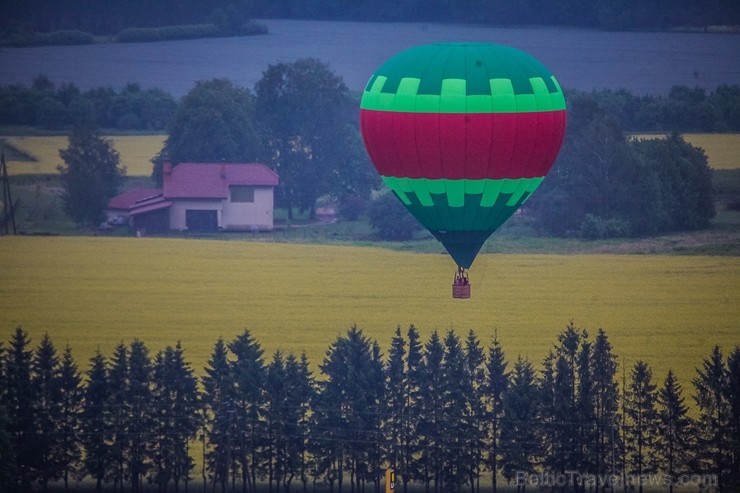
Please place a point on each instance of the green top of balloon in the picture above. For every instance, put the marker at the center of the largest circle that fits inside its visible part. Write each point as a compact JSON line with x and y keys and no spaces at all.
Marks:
{"x":475,"y":71}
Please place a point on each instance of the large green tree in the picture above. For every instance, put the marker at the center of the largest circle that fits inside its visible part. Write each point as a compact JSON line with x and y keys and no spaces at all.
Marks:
{"x":91,"y":174}
{"x":310,"y":122}
{"x":213,"y":123}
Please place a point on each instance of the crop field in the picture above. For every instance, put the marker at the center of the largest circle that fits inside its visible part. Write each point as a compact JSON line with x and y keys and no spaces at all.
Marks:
{"x":723,"y":151}
{"x":136,"y":152}
{"x":93,"y":292}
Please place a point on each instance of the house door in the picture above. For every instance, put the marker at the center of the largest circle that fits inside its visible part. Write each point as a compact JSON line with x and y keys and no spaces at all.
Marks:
{"x":201,"y":221}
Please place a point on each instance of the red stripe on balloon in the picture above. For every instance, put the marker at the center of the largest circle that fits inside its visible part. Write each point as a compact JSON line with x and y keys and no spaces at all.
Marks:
{"x":463,"y":145}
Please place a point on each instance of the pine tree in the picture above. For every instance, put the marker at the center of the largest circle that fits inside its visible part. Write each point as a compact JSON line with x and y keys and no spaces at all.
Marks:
{"x":642,"y":421}
{"x":19,"y":399}
{"x":96,"y":425}
{"x":518,"y":431}
{"x":71,"y":390}
{"x":497,"y":382}
{"x":711,"y":385}
{"x":674,"y":430}
{"x":46,"y":412}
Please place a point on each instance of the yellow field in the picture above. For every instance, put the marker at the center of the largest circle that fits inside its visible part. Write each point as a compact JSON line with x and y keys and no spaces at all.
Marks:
{"x":136,"y":153}
{"x":722,"y":150}
{"x":95,"y":292}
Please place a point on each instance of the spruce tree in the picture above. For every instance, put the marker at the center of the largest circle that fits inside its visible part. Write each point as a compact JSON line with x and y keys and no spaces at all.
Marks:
{"x":299,"y":397}
{"x":606,"y":404}
{"x":733,"y":396}
{"x":176,"y":418}
{"x":674,"y":430}
{"x":97,"y":431}
{"x":71,"y":390}
{"x":497,"y":382}
{"x":276,"y":418}
{"x":711,"y":385}
{"x":456,"y":426}
{"x":476,"y":411}
{"x":415,"y":371}
{"x":19,"y":399}
{"x":248,"y":369}
{"x":138,"y":420}
{"x":46,"y":412}
{"x":519,"y":439}
{"x":642,"y":422}
{"x":119,"y":406}
{"x":218,"y":410}
{"x":394,"y":427}
{"x":431,"y":424}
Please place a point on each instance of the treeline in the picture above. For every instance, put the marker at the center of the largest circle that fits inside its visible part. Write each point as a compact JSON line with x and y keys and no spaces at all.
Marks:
{"x":42,"y":104}
{"x":110,"y":16}
{"x":50,"y":107}
{"x":446,"y":413}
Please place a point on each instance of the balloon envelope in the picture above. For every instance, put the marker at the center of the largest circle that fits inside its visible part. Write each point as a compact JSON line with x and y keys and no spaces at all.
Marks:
{"x":463,"y":133}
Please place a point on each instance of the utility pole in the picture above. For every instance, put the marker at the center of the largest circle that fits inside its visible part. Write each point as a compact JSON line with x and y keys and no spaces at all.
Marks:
{"x":8,"y":207}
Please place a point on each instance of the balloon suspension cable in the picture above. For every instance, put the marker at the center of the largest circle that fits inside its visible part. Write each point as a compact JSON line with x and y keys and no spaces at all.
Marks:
{"x":461,"y":276}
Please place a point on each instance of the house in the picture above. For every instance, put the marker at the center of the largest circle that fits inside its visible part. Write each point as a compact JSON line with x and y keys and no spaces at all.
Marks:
{"x":201,"y":197}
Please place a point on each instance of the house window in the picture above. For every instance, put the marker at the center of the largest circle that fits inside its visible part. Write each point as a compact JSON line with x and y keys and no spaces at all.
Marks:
{"x":242,"y":194}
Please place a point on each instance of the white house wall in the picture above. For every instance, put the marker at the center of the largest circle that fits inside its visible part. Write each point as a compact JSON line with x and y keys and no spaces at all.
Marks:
{"x":244,"y":216}
{"x":249,"y":215}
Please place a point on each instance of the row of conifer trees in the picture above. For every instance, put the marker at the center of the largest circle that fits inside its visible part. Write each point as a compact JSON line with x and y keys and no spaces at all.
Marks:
{"x":447,"y":414}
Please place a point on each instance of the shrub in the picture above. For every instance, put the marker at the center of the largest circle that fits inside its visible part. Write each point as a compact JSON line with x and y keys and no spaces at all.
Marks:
{"x":390,"y":219}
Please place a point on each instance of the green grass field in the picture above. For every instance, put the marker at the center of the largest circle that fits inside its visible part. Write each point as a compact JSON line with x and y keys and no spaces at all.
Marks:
{"x":93,"y":292}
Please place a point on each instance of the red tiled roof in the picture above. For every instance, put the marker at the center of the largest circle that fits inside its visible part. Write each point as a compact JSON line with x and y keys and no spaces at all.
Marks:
{"x":212,"y":180}
{"x":129,"y":198}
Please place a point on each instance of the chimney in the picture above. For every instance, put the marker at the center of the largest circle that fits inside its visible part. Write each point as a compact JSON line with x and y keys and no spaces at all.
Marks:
{"x":166,"y":176}
{"x":223,"y":171}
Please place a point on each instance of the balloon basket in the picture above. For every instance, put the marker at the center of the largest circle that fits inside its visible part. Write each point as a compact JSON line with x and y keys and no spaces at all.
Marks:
{"x":461,"y":291}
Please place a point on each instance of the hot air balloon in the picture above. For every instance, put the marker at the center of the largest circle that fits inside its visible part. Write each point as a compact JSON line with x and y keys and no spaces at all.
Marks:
{"x":462,"y":133}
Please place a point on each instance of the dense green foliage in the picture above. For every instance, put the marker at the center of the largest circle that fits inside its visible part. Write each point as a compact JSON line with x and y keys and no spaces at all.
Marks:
{"x":148,"y":34}
{"x":308,"y":119}
{"x":91,"y":175}
{"x":214,"y":122}
{"x":442,"y":413}
{"x":110,"y":16}
{"x":46,"y":106}
{"x":605,"y":185}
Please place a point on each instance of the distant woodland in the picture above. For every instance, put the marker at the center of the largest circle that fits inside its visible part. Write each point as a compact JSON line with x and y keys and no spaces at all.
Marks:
{"x":108,"y":17}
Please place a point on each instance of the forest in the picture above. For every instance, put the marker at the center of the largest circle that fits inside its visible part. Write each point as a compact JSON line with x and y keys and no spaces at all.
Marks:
{"x":108,"y":17}
{"x":452,"y":413}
